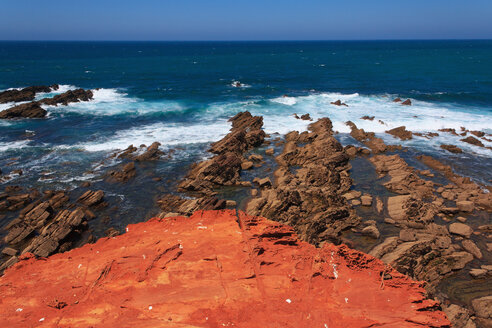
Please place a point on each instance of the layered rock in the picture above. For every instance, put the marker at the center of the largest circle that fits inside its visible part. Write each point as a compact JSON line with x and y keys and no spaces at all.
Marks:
{"x":308,"y":187}
{"x":376,"y":144}
{"x":210,"y":270}
{"x":223,"y":169}
{"x":28,"y":110}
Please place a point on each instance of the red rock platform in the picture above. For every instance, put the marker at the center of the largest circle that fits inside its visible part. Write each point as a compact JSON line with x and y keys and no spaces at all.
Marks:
{"x":214,"y":269}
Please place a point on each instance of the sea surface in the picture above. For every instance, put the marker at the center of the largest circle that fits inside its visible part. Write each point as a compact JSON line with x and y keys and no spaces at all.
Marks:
{"x":182,"y":93}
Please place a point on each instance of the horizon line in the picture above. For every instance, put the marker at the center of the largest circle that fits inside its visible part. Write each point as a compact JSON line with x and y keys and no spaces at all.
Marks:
{"x":253,"y":40}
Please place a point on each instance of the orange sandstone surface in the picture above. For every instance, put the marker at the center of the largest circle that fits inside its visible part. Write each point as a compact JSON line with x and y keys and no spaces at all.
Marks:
{"x":213,"y":269}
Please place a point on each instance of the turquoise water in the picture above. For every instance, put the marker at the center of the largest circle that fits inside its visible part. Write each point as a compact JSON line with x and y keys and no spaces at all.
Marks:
{"x":181,"y":94}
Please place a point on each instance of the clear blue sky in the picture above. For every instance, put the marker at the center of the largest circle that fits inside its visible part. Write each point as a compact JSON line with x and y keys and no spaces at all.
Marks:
{"x":244,"y":19}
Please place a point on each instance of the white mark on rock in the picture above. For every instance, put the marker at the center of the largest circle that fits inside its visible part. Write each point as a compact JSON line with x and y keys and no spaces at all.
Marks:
{"x":326,"y":326}
{"x":180,"y":246}
{"x":127,"y":229}
{"x":41,"y":320}
{"x":143,"y":255}
{"x":19,"y":310}
{"x":80,"y":265}
{"x":335,"y":272}
{"x":288,"y":300}
{"x":346,"y":299}
{"x":150,"y":307}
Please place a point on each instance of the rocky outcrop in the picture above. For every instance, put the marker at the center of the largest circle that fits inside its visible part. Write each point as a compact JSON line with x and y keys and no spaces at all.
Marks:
{"x":246,"y":272}
{"x":26,"y":94}
{"x":67,"y":97}
{"x":400,"y":132}
{"x":407,"y":102}
{"x":223,"y":169}
{"x":28,"y":110}
{"x":339,"y":103}
{"x":473,"y":141}
{"x":34,"y":110}
{"x":452,"y":149}
{"x":369,"y":139}
{"x":124,"y":173}
{"x":309,"y":197}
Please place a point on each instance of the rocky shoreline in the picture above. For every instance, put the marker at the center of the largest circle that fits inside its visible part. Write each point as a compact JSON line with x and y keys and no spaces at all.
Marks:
{"x":430,"y":224}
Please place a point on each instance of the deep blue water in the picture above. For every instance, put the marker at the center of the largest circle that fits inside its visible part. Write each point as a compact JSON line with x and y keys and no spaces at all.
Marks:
{"x":181,"y":94}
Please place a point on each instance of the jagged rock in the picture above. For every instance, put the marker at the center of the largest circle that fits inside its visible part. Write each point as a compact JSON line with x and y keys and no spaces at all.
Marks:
{"x":151,"y":154}
{"x":400,"y":132}
{"x":26,"y":94}
{"x":460,"y":317}
{"x":226,"y":287}
{"x":126,"y":172}
{"x":452,"y":148}
{"x":368,"y":118}
{"x":339,"y":103}
{"x":473,"y":141}
{"x":68,"y":97}
{"x":29,"y":110}
{"x":263,"y":183}
{"x":397,"y":100}
{"x":407,"y":102}
{"x":91,"y":198}
{"x":13,"y":252}
{"x":306,"y":117}
{"x":460,"y":229}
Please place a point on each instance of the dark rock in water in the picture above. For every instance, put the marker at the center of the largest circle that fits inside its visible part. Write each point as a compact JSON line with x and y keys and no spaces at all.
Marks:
{"x":25,"y":94}
{"x":478,"y":134}
{"x":91,"y":198}
{"x":339,"y":103}
{"x":407,"y":102}
{"x":452,"y":148}
{"x":473,"y":141}
{"x":397,"y":100}
{"x":127,"y":172}
{"x":29,"y":110}
{"x":400,"y":132}
{"x":368,"y":118}
{"x":68,"y":97}
{"x":306,"y":117}
{"x":111,"y":232}
{"x":152,"y":153}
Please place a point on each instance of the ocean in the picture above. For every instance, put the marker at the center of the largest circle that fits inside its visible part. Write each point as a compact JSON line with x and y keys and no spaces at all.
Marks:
{"x":181,"y":94}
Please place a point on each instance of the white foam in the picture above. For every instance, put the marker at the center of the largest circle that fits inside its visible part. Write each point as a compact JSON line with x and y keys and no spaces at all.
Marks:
{"x":289,"y":101}
{"x":166,"y":134}
{"x":13,"y":145}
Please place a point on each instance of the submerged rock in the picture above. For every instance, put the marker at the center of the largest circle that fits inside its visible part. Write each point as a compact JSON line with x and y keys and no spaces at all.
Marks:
{"x":254,"y":273}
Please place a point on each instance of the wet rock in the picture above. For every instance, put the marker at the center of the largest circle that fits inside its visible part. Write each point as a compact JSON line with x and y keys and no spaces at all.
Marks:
{"x":269,"y":151}
{"x":151,"y":154}
{"x":246,"y":165}
{"x":407,"y":102}
{"x":68,"y":97}
{"x":306,"y":117}
{"x":263,"y":183}
{"x":368,"y":118}
{"x":125,"y":173}
{"x":339,"y":103}
{"x":397,"y":100}
{"x":9,"y":251}
{"x":483,"y":307}
{"x":465,"y":206}
{"x":379,"y":205}
{"x":355,"y":202}
{"x":460,"y":229}
{"x":459,"y":316}
{"x":231,"y":203}
{"x":452,"y":148}
{"x":29,"y":110}
{"x":366,"y":200}
{"x":111,"y":232}
{"x":473,"y":141}
{"x":377,"y":145}
{"x":461,"y":219}
{"x":26,"y":94}
{"x":400,"y":132}
{"x":478,"y":273}
{"x":351,"y":151}
{"x":471,"y":248}
{"x":91,"y":198}
{"x":371,"y":231}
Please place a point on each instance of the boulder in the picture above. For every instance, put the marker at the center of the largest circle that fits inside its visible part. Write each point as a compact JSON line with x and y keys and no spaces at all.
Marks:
{"x":400,"y":132}
{"x":339,"y":103}
{"x":460,"y":229}
{"x":465,"y":206}
{"x":246,"y":165}
{"x":452,"y":148}
{"x":366,"y":200}
{"x":407,"y":102}
{"x":473,"y":141}
{"x":483,"y":307}
{"x":28,"y":110}
{"x":371,"y":231}
{"x":471,"y":248}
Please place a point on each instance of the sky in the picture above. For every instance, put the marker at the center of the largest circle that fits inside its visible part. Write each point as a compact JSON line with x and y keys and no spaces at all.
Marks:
{"x":244,"y":19}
